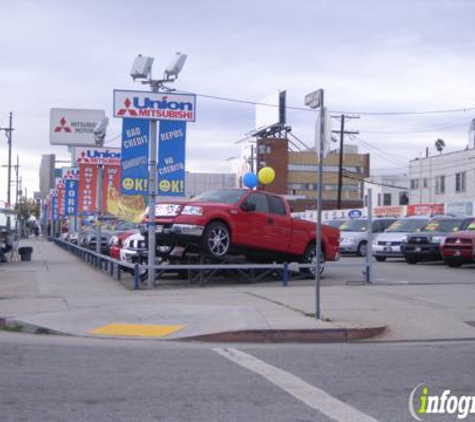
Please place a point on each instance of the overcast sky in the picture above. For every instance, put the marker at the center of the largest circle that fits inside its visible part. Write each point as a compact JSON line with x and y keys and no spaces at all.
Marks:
{"x":368,"y":56}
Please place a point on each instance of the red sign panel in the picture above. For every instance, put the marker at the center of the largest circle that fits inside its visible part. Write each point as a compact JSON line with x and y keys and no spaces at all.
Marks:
{"x":425,"y":209}
{"x":87,"y":195}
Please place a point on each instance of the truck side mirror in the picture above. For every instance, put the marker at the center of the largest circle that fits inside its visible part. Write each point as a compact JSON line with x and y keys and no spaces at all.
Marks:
{"x":248,"y":206}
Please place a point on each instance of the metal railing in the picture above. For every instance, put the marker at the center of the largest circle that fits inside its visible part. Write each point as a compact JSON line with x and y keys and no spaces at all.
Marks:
{"x":201,"y":271}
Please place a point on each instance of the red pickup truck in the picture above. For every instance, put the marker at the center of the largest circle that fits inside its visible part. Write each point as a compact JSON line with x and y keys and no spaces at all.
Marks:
{"x":242,"y":221}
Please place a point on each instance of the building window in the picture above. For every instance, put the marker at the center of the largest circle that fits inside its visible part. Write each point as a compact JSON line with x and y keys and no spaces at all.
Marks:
{"x":440,"y":185}
{"x":460,"y":182}
{"x":379,"y":199}
{"x":414,"y":183}
{"x":387,"y":199}
{"x":425,"y":183}
{"x":403,"y":198}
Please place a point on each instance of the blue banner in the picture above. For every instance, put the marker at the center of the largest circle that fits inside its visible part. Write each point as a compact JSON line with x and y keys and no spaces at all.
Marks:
{"x":71,"y":197}
{"x":171,"y":158}
{"x":134,"y":157}
{"x":54,"y":208}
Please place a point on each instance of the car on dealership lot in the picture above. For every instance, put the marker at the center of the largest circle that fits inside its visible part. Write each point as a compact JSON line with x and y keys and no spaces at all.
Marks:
{"x":335,"y":222}
{"x":459,"y":248}
{"x":354,"y":233}
{"x":424,"y":245}
{"x":116,"y":242}
{"x":242,"y":221}
{"x":388,"y":244}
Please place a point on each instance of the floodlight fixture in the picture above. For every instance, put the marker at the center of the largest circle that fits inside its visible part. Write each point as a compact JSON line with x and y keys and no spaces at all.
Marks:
{"x":175,"y":66}
{"x":142,"y":67}
{"x":100,"y":131}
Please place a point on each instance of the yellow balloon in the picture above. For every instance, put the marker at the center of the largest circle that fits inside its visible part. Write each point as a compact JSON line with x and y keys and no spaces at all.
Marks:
{"x":266,"y":175}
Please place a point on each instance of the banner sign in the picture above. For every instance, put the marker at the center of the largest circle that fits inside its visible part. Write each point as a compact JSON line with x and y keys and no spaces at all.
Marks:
{"x":61,"y":197}
{"x":154,"y":105}
{"x":389,"y":211}
{"x":110,"y":186}
{"x":463,"y":209}
{"x":171,"y":158}
{"x":425,"y":209}
{"x":72,"y":189}
{"x":74,"y":126}
{"x":134,"y":154}
{"x":54,"y":205}
{"x":87,"y":191}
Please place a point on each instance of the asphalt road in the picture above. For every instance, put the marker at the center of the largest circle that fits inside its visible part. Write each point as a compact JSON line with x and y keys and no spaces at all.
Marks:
{"x":48,"y":378}
{"x":397,"y":271}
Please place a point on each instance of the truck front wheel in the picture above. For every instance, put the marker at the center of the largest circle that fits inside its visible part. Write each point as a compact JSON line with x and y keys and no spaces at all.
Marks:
{"x":216,"y":240}
{"x":310,"y":258}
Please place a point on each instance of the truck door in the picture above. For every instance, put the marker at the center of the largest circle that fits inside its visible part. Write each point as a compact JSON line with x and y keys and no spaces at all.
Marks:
{"x":279,"y":225}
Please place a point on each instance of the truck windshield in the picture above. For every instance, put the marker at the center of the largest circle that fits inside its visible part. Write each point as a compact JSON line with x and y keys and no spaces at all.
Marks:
{"x":445,"y":225}
{"x":406,"y":225}
{"x":354,"y":226}
{"x":226,"y":196}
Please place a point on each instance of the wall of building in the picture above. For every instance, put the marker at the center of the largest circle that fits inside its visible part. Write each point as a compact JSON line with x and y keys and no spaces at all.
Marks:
{"x":386,"y":190}
{"x":273,"y":152}
{"x":425,"y":175}
{"x":196,"y":183}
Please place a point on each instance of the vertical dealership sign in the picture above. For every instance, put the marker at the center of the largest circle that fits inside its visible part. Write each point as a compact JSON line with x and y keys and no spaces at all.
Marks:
{"x":54,"y":204}
{"x":134,"y":154}
{"x":171,"y":158}
{"x":71,"y":196}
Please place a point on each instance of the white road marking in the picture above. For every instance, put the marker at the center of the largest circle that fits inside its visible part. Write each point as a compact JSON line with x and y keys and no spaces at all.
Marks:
{"x":298,"y":388}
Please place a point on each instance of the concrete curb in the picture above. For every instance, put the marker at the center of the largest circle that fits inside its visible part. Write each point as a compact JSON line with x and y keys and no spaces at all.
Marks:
{"x":332,"y":335}
{"x":7,"y":324}
{"x":336,"y":335}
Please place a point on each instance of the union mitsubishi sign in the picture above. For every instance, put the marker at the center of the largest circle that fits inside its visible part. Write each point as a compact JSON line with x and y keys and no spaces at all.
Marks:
{"x":154,"y":106}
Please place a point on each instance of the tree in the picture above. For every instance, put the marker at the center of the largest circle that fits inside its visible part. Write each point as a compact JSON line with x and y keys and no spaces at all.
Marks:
{"x":440,"y":145}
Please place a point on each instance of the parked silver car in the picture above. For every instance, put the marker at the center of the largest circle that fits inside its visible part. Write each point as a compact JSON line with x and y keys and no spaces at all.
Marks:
{"x":354,"y":233}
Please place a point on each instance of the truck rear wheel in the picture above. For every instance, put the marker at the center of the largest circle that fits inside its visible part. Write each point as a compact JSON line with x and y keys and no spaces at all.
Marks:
{"x":217,"y":239}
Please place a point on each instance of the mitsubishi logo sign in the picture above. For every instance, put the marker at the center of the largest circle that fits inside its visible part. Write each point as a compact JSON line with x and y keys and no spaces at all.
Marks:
{"x":62,"y":126}
{"x":155,"y":106}
{"x":125,"y":110}
{"x":74,"y":127}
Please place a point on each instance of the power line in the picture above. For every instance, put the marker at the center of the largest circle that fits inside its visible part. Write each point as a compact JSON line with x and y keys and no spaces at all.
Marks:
{"x":365,"y":113}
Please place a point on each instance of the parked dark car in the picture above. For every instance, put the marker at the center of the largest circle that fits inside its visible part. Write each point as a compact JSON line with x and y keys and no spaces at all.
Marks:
{"x":425,"y":244}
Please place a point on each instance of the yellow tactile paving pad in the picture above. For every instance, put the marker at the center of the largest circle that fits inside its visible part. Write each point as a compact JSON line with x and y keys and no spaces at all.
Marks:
{"x":136,"y":330}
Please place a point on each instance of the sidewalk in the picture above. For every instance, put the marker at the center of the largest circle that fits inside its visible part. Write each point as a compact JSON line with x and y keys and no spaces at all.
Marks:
{"x":58,"y":293}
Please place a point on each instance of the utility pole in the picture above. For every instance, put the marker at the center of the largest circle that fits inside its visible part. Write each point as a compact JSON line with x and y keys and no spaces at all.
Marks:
{"x":342,"y":133}
{"x":8,"y":132}
{"x":17,"y":168}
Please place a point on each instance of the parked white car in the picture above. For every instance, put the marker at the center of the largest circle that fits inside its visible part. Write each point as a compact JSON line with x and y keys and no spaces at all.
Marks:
{"x":388,"y":244}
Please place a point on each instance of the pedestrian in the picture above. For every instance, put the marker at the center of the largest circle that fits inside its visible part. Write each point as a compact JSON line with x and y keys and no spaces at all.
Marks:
{"x":37,"y":230}
{"x":6,"y":244}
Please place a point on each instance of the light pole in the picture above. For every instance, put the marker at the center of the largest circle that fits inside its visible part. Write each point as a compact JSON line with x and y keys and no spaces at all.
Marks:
{"x":142,"y":70}
{"x":99,"y":135}
{"x":8,"y":133}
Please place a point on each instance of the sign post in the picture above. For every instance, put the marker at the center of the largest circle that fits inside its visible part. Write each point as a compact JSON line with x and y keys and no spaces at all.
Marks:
{"x":315,"y":100}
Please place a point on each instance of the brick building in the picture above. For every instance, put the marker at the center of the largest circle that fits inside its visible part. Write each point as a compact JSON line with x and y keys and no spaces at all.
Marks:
{"x":296,"y":174}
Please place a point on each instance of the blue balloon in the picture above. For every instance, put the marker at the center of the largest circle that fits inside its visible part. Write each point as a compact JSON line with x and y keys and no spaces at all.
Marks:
{"x":249,"y":180}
